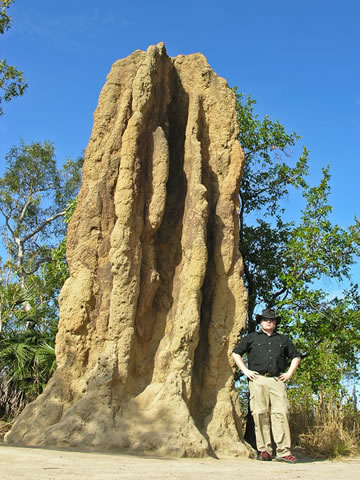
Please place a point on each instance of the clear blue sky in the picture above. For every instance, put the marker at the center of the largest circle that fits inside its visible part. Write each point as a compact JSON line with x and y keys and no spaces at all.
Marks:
{"x":299,"y":60}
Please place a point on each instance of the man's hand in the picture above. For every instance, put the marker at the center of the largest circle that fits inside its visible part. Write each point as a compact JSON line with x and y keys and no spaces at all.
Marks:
{"x":251,"y":374}
{"x":284,"y":377}
{"x":295,"y":362}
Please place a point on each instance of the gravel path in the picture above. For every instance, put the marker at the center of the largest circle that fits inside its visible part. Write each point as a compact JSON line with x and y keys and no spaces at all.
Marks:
{"x":40,"y":464}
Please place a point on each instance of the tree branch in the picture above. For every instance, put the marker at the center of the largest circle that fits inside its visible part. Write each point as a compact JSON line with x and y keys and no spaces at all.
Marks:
{"x":7,"y":218}
{"x":23,"y":210}
{"x":272,"y":300}
{"x":43,"y":225}
{"x":241,"y":216}
{"x":40,"y":261}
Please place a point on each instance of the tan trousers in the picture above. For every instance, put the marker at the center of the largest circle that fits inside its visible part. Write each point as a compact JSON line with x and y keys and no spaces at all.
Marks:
{"x":270,"y":410}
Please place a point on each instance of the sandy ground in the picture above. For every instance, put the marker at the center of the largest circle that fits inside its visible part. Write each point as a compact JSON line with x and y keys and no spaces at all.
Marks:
{"x":40,"y":464}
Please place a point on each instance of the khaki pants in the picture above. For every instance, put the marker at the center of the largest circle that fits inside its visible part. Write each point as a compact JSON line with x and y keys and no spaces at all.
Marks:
{"x":270,"y":410}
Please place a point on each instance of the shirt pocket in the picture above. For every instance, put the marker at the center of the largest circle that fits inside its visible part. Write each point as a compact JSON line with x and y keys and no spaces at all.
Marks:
{"x":261,"y":349}
{"x":261,"y":344}
{"x":279,"y":354}
{"x":279,"y":348}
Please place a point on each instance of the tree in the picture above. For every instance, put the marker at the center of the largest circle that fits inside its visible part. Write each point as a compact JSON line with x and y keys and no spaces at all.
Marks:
{"x":34,"y":195}
{"x":266,"y":180}
{"x":36,"y":202}
{"x":28,"y":325}
{"x":284,"y":260}
{"x":27,"y":357}
{"x":12,"y":82}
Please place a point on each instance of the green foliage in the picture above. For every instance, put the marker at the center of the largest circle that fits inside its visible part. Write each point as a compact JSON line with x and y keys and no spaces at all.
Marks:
{"x":52,"y":275}
{"x":26,"y":363}
{"x":29,"y":318}
{"x":284,"y":260}
{"x":330,"y":331}
{"x":34,"y":195}
{"x":266,"y":177}
{"x":12,"y":299}
{"x":5,"y":19}
{"x":266,"y":180}
{"x":317,"y":247}
{"x":12,"y":82}
{"x":36,"y":202}
{"x":27,"y":357}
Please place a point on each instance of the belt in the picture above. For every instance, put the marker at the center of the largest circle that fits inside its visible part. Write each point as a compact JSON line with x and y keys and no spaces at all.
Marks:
{"x":267,"y":374}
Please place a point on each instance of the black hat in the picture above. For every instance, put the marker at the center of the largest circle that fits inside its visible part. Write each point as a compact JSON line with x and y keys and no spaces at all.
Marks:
{"x":268,"y":313}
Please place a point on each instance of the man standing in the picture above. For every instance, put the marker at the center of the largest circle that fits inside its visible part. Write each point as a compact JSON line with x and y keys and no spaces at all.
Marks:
{"x":268,"y":354}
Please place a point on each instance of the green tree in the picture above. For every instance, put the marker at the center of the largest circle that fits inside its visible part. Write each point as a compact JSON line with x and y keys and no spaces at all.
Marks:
{"x":266,"y":180}
{"x":27,"y":357}
{"x":34,"y":196}
{"x":12,"y":82}
{"x":36,"y":203}
{"x":284,"y":260}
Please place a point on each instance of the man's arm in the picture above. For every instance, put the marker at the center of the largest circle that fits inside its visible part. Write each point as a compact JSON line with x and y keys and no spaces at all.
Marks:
{"x":295,"y":362}
{"x":251,"y":374}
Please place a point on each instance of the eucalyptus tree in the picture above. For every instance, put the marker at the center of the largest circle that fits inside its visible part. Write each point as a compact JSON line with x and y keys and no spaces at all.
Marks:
{"x":34,"y":197}
{"x":36,"y":201}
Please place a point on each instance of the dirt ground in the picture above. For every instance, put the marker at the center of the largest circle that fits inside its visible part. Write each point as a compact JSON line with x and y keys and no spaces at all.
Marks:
{"x":40,"y":464}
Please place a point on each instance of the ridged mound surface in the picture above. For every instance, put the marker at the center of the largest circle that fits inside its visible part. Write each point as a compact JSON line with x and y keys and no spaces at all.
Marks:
{"x":155,"y":300}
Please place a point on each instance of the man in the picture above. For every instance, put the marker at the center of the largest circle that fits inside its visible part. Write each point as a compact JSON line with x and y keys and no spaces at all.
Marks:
{"x":268,"y":355}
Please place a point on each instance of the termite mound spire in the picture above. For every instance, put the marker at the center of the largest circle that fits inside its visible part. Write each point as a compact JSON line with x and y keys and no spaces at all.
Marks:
{"x":155,"y":298}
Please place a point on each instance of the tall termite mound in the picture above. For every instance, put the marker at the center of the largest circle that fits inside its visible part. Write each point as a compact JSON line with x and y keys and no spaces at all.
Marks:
{"x":155,"y":298}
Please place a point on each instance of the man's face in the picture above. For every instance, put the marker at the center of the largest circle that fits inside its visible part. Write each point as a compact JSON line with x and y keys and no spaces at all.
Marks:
{"x":268,"y":325}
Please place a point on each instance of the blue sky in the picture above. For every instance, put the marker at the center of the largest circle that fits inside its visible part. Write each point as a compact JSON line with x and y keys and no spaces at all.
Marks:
{"x":299,"y":60}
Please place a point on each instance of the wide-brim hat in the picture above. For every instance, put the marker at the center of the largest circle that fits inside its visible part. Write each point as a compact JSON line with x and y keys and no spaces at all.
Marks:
{"x":268,"y":313}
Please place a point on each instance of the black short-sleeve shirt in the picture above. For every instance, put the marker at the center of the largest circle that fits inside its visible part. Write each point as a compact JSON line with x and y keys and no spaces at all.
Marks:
{"x":267,"y":354}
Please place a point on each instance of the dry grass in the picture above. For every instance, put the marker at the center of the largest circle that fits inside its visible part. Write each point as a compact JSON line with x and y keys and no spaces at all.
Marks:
{"x":329,"y":431}
{"x":4,"y":428}
{"x":330,"y":441}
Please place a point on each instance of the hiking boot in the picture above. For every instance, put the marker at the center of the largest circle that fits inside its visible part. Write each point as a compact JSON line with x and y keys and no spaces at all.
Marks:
{"x":264,"y":456}
{"x":287,"y":459}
